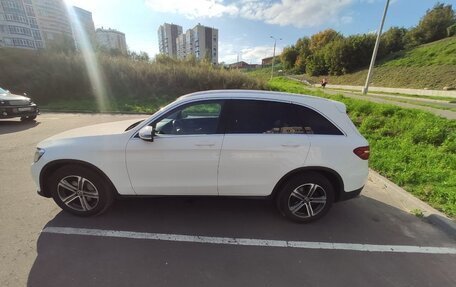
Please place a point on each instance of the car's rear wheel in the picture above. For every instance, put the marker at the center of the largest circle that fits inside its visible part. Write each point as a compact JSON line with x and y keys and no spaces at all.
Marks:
{"x":28,"y":118}
{"x":306,"y":197}
{"x":80,"y":190}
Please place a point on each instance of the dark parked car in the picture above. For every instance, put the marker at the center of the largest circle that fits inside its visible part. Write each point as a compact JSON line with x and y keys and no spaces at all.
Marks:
{"x":15,"y":106}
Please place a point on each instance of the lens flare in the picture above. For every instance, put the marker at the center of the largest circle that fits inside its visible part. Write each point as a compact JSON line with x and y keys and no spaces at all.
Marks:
{"x":90,"y":59}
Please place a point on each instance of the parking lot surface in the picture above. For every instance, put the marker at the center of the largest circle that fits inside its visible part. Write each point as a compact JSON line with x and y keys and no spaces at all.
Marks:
{"x":203,"y":241}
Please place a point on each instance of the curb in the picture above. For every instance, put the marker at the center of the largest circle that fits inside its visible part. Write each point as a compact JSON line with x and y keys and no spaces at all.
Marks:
{"x":408,"y":202}
{"x":92,"y":112}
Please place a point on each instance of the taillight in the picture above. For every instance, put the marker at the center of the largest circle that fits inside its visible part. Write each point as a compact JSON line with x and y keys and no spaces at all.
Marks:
{"x":363,"y":152}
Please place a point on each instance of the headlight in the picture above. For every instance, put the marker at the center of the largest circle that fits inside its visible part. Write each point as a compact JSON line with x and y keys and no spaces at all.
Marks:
{"x":38,"y":154}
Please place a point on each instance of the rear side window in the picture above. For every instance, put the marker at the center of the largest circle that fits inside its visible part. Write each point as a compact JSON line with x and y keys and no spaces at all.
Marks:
{"x":267,"y":117}
{"x":314,"y":123}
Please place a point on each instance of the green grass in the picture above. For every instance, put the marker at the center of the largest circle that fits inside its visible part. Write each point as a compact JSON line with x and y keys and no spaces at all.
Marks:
{"x":432,"y":66}
{"x":263,"y":73}
{"x":437,"y":53}
{"x":413,"y":148}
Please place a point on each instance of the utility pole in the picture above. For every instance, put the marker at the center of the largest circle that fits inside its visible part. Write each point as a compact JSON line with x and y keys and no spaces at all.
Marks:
{"x":374,"y":54}
{"x":273,"y":56}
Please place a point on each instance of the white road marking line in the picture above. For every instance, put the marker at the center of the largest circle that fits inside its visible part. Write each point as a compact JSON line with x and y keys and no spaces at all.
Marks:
{"x":250,"y":242}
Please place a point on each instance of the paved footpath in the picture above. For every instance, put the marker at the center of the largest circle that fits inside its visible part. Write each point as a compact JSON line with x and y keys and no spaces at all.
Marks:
{"x":439,"y":112}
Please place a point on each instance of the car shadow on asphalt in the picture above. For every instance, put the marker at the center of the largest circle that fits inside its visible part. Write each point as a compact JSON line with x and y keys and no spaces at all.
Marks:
{"x":75,"y":260}
{"x":13,"y":126}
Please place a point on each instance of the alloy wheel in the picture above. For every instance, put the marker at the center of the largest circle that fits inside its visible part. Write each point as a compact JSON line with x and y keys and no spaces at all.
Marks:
{"x":78,"y":193}
{"x":307,"y":200}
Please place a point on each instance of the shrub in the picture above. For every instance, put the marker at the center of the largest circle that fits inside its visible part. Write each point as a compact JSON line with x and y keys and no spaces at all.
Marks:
{"x":451,"y":31}
{"x":48,"y":77}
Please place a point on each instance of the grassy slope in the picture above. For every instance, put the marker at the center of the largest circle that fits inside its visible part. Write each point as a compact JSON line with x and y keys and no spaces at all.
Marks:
{"x":430,"y":66}
{"x":415,"y":149}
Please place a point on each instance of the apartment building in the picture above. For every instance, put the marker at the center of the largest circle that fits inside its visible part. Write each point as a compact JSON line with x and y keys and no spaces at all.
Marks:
{"x":189,"y":42}
{"x":53,"y":21}
{"x":205,"y":43}
{"x":167,"y":35}
{"x":83,"y":19}
{"x":111,"y":39}
{"x":18,"y":25}
{"x":181,"y":46}
{"x":200,"y":42}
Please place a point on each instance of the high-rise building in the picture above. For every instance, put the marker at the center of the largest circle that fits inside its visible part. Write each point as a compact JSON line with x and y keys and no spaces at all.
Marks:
{"x":111,"y":39}
{"x":189,"y":42}
{"x":84,"y":20}
{"x":184,"y":45}
{"x":18,"y":25}
{"x":201,"y":42}
{"x":181,"y":47}
{"x":53,"y":21}
{"x":167,"y":35}
{"x":205,"y":43}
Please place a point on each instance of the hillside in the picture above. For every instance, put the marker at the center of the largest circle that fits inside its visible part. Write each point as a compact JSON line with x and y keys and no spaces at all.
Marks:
{"x":431,"y":66}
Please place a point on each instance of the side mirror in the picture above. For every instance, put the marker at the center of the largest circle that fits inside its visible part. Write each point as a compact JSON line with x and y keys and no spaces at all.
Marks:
{"x":147,"y":133}
{"x":25,"y":94}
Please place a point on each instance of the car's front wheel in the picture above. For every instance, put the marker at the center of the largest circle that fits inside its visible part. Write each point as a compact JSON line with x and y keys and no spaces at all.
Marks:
{"x":306,"y":197}
{"x":28,"y":118}
{"x":80,"y":191}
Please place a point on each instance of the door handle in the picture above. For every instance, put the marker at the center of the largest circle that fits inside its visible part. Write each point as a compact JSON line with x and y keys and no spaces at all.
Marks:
{"x":290,"y":145}
{"x":205,"y":144}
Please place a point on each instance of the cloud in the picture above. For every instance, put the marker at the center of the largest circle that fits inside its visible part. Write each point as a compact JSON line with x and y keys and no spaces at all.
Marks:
{"x":251,"y":54}
{"x":193,"y":9}
{"x":346,"y":19}
{"x":298,"y":13}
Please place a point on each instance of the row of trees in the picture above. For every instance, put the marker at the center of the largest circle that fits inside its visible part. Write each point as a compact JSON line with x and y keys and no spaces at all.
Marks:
{"x":329,"y":52}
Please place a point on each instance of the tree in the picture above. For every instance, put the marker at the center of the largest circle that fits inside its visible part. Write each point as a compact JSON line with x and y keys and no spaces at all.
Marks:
{"x":316,"y":65}
{"x":337,"y":55}
{"x":393,"y":40}
{"x":303,"y":47}
{"x":62,"y":44}
{"x":451,"y":31}
{"x":433,"y":25}
{"x":288,"y":57}
{"x":142,"y":56}
{"x":323,"y":38}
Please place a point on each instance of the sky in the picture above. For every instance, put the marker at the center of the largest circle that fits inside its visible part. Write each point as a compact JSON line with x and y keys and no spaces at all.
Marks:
{"x":246,"y":26}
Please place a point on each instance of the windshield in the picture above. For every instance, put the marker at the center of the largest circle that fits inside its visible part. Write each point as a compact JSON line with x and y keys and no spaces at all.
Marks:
{"x":2,"y":91}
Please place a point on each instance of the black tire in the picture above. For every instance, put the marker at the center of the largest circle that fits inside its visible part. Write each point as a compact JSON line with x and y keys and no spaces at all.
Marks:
{"x":28,"y":118}
{"x":93,"y":198}
{"x":297,"y":203}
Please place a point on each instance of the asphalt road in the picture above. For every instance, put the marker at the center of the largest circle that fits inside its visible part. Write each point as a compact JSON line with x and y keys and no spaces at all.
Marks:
{"x":147,"y":242}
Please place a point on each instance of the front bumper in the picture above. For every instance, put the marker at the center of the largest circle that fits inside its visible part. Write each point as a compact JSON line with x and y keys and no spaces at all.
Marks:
{"x":7,"y":112}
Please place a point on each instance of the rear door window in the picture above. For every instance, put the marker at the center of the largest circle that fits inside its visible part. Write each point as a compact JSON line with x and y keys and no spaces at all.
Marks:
{"x":261,"y":117}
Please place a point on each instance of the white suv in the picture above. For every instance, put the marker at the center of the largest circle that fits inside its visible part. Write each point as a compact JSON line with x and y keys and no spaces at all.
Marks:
{"x":301,"y":151}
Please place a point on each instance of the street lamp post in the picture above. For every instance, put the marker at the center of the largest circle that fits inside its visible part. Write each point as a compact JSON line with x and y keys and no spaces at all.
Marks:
{"x":374,"y":54}
{"x":273,"y":56}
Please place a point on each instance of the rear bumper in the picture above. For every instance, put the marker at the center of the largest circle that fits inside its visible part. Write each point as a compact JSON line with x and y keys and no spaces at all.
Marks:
{"x":350,"y":194}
